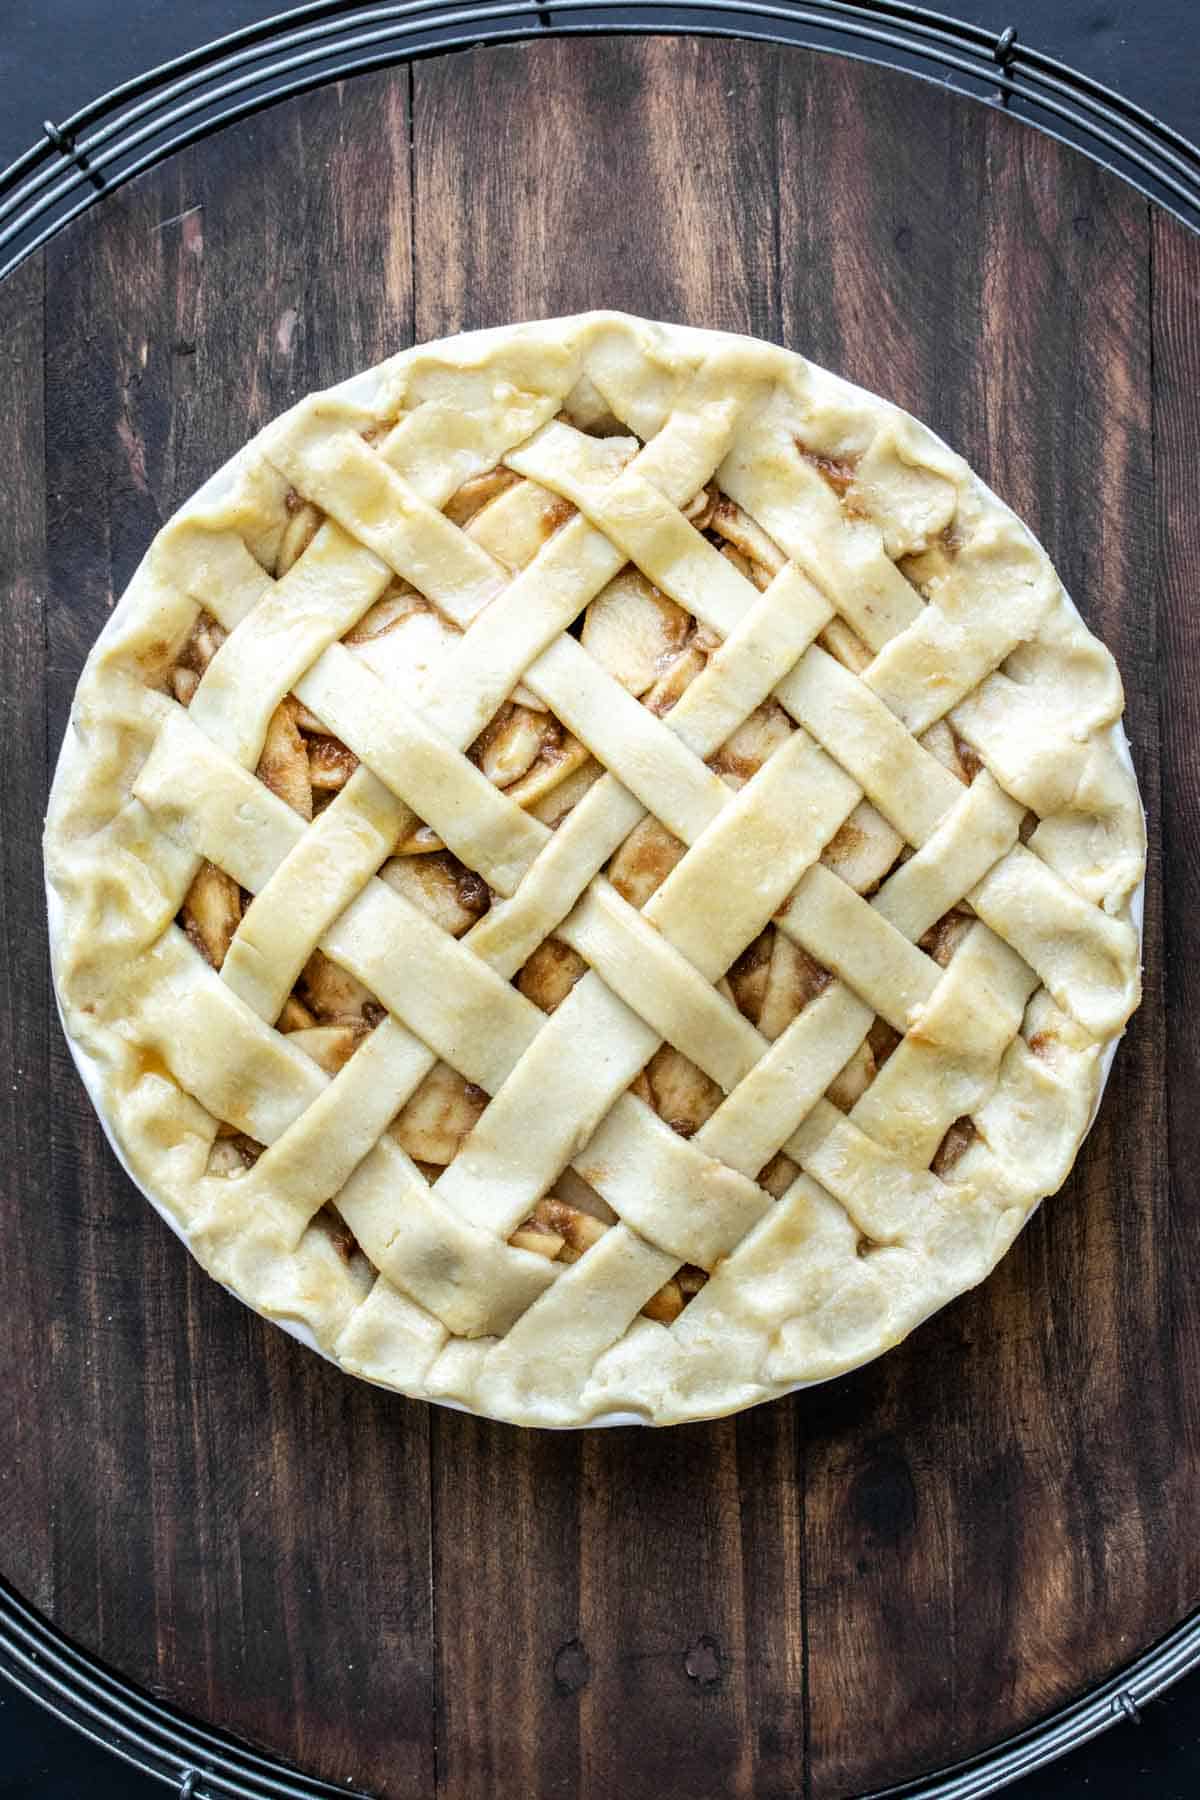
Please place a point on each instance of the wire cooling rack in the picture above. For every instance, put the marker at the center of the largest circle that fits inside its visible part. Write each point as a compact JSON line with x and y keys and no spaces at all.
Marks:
{"x":123,"y":132}
{"x":200,"y":1764}
{"x":138,"y":124}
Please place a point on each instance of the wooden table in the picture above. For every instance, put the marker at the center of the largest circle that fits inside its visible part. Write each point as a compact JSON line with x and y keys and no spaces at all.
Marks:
{"x":824,"y":1595}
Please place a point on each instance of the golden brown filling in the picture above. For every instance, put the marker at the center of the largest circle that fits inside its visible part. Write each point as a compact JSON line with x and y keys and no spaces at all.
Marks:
{"x":960,"y":1137}
{"x":838,"y":472}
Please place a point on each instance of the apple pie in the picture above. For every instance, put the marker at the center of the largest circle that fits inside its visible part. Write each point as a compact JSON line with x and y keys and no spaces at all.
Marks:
{"x":594,"y":872}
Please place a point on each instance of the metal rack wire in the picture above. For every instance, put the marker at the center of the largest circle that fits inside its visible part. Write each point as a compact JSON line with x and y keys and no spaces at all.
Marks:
{"x":199,"y":1764}
{"x":196,"y":1763}
{"x":138,"y":124}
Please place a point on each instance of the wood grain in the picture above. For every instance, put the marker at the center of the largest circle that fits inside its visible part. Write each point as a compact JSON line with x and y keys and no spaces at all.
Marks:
{"x":560,"y":176}
{"x":1175,"y":264}
{"x":819,"y":1597}
{"x":640,"y":1618}
{"x":1029,"y":276}
{"x":189,"y":1428}
{"x":27,"y":1516}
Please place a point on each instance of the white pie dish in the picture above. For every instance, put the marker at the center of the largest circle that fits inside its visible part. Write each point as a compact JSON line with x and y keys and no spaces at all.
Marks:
{"x":364,"y":391}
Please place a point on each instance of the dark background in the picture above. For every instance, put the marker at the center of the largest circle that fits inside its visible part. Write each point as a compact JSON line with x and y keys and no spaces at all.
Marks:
{"x":55,"y":55}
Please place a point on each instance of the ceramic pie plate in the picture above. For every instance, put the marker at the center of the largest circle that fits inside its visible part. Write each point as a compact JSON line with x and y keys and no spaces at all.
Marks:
{"x":213,"y":491}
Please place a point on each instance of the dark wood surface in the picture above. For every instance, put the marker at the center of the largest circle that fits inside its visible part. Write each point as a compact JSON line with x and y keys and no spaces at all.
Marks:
{"x":821,"y":1596}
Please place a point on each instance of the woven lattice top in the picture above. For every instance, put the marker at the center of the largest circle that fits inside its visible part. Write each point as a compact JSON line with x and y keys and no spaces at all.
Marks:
{"x":593,"y":871}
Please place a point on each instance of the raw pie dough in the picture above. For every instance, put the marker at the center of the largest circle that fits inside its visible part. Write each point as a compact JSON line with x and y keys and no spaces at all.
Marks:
{"x":592,"y":870}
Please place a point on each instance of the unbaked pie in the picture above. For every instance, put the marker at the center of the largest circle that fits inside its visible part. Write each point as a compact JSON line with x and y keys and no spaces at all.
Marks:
{"x":591,"y":872}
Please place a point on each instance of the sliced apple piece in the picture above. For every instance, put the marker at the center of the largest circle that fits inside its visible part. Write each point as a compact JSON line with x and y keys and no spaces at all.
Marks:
{"x":743,"y":754}
{"x":883,"y":1039}
{"x":330,"y":1046}
{"x":294,"y":1017}
{"x":927,"y":569}
{"x":943,"y":939}
{"x":684,"y":1097}
{"x":550,"y":974}
{"x":578,"y":1193}
{"x":533,"y":1235}
{"x":212,"y":912}
{"x":551,"y":789}
{"x":741,"y":563}
{"x":959,"y":1138}
{"x":588,"y":410}
{"x":852,"y":1081}
{"x":559,"y":757}
{"x":793,"y":979}
{"x":578,"y":1230}
{"x":700,"y":508}
{"x":283,"y":765}
{"x":748,"y":976}
{"x":644,"y":861}
{"x":434,"y":1121}
{"x":675,"y":681}
{"x":969,"y":760}
{"x":331,"y":1225}
{"x":778,"y":1175}
{"x":555,"y":1221}
{"x":422,"y":840}
{"x":740,"y":530}
{"x":304,"y":521}
{"x":475,"y":493}
{"x":634,"y":631}
{"x":844,"y":643}
{"x":665,"y":1306}
{"x":247,"y":1149}
{"x":837,"y":472}
{"x":640,"y":1085}
{"x":330,"y":764}
{"x":334,"y":996}
{"x":225,"y":1160}
{"x":506,"y":749}
{"x":399,"y":603}
{"x":515,"y":524}
{"x":939,"y":741}
{"x":306,"y":721}
{"x":203,"y":642}
{"x":206,"y":639}
{"x":942,"y":741}
{"x":452,"y":896}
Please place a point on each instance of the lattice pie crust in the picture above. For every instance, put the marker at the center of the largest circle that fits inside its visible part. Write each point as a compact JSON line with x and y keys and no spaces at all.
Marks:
{"x":593,"y":872}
